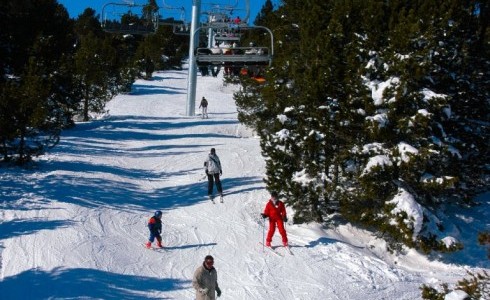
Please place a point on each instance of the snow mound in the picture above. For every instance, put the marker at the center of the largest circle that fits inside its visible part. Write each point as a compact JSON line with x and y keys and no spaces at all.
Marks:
{"x":405,"y":202}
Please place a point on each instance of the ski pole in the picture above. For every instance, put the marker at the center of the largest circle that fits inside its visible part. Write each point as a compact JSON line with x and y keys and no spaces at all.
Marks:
{"x":263,"y":235}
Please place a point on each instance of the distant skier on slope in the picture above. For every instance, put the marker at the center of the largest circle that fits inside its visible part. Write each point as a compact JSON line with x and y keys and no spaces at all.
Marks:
{"x":155,"y":227}
{"x":205,"y":280}
{"x":276,"y":212}
{"x":204,"y":107}
{"x":212,"y":167}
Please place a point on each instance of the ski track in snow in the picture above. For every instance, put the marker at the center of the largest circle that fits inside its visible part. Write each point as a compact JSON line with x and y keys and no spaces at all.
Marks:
{"x":75,"y":226}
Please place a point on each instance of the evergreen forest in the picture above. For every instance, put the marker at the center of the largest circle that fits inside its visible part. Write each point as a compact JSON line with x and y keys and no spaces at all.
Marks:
{"x":56,"y":70}
{"x":376,"y":112}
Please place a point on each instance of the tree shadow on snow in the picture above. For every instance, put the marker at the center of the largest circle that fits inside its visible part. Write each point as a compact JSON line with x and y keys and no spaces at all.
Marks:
{"x":144,"y":89}
{"x":124,"y":195}
{"x":162,"y":75}
{"x":239,"y":185}
{"x":14,"y":228}
{"x":127,"y":187}
{"x":87,"y":137}
{"x":465,"y":225}
{"x":162,"y":78}
{"x":85,"y":283}
{"x":326,"y":240}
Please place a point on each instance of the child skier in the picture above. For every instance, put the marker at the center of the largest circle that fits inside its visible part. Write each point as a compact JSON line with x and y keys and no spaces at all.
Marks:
{"x":155,"y":227}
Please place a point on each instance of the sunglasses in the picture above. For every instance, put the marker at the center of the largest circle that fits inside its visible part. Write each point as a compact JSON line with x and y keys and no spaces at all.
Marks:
{"x":209,"y":262}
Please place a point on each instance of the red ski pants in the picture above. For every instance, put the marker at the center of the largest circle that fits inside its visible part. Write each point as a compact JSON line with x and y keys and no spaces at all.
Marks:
{"x":272,"y":229}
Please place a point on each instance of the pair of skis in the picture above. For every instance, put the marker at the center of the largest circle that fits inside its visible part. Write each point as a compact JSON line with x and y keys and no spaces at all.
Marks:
{"x":157,"y":249}
{"x":221,"y":200}
{"x":273,"y":249}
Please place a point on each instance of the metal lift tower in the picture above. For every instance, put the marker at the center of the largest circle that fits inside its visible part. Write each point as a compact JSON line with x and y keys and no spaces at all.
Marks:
{"x":194,"y":41}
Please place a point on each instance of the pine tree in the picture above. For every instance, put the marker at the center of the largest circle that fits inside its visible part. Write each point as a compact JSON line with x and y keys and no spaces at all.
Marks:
{"x":148,"y":55}
{"x":36,"y":41}
{"x":365,"y":112}
{"x":93,"y":61}
{"x":159,"y":51}
{"x":150,"y":14}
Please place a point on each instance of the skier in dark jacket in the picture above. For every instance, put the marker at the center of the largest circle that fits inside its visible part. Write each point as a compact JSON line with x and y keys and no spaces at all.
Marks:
{"x":155,"y":227}
{"x":212,"y":167}
{"x":204,"y":106}
{"x":276,"y":212}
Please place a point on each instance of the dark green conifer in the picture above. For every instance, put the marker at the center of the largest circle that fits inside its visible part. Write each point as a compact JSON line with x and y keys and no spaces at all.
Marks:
{"x":35,"y":43}
{"x":370,"y":101}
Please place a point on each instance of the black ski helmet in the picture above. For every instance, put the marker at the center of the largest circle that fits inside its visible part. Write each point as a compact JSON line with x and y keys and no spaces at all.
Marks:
{"x":158,"y":213}
{"x":274,"y":194}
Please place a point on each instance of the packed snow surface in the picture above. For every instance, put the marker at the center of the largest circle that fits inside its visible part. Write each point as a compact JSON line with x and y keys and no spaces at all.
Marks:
{"x":73,"y":225}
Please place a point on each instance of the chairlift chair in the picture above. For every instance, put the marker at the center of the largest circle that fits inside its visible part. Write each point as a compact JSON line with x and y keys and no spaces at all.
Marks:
{"x":180,"y":26}
{"x":138,"y":26}
{"x":237,"y":56}
{"x":181,"y":29}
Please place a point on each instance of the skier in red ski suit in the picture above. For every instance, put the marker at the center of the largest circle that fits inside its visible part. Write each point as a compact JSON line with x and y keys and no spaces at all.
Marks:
{"x":276,"y":212}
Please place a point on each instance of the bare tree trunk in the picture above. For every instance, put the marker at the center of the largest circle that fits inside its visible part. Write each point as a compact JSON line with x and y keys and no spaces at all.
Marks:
{"x":85,"y":106}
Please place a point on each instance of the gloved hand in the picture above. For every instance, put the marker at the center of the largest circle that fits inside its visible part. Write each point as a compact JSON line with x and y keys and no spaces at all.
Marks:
{"x":218,"y":291}
{"x":263,"y":216}
{"x":203,"y":291}
{"x":285,"y":219}
{"x":220,"y":172}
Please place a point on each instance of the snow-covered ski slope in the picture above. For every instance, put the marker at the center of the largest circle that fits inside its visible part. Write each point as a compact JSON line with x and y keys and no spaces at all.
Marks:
{"x":73,"y":227}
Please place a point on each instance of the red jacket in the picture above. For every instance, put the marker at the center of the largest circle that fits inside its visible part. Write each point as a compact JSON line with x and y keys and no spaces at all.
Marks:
{"x":275,"y":212}
{"x":155,"y":225}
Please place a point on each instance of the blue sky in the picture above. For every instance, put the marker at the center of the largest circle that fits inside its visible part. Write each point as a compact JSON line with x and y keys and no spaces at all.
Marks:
{"x":76,"y":7}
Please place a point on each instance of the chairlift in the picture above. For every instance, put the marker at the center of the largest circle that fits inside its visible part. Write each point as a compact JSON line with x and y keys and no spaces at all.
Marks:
{"x":226,"y":34}
{"x":236,"y":56}
{"x":180,"y":26}
{"x":227,"y":37}
{"x":121,"y":18}
{"x":181,"y":29}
